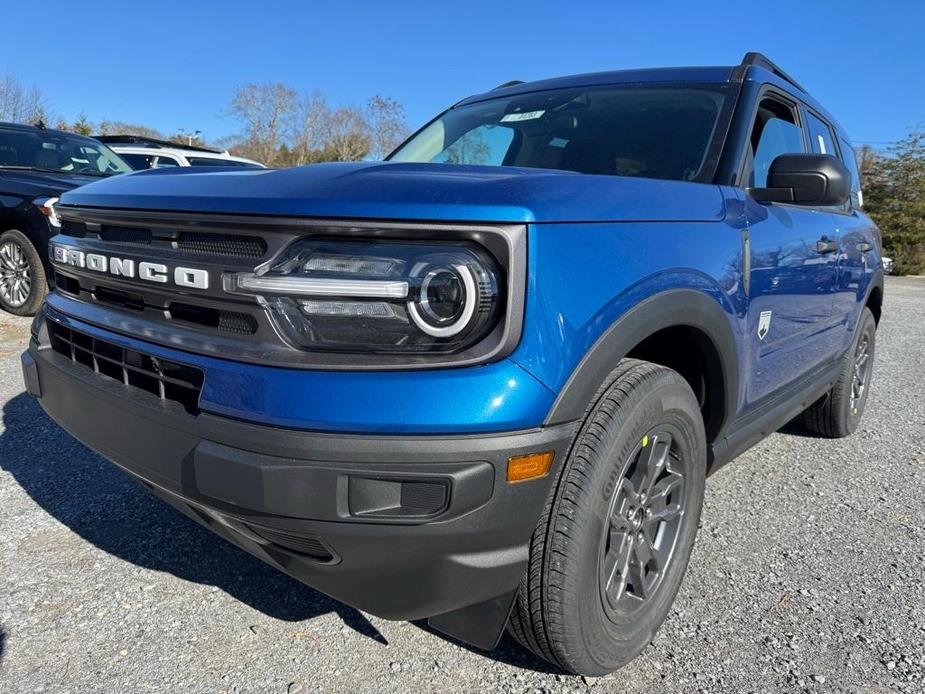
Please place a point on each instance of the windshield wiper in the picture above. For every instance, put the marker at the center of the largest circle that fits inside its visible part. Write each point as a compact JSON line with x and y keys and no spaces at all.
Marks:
{"x":16,"y":167}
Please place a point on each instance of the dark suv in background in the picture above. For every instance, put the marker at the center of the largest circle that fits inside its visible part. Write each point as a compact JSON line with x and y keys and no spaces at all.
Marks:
{"x":36,"y":166}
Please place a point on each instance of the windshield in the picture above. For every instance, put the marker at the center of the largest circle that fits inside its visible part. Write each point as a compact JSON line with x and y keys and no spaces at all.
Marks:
{"x":658,"y":131}
{"x":51,"y":150}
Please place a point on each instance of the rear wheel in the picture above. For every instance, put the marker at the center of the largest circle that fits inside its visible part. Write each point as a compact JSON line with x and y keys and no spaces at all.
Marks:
{"x":838,"y":413}
{"x":609,"y":553}
{"x":22,"y":276}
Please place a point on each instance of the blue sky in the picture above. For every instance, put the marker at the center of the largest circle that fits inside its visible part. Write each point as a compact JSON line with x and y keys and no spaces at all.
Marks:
{"x":175,"y":64}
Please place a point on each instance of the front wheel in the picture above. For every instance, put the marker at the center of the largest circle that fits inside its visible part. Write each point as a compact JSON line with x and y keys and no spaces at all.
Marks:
{"x":609,"y":553}
{"x":22,"y":275}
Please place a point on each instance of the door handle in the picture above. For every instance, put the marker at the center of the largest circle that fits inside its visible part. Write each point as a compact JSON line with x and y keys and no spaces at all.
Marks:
{"x":864,"y":247}
{"x":823,"y":245}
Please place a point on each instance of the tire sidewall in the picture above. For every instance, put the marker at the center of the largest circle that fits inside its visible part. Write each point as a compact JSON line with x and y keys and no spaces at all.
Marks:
{"x":867,"y":325}
{"x":37,"y":270}
{"x":607,"y":644}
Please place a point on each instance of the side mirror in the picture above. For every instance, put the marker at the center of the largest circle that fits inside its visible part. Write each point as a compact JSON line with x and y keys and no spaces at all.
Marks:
{"x":818,"y":180}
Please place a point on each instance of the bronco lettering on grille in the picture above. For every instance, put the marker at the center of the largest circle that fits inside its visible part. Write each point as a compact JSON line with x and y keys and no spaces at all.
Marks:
{"x":193,"y":278}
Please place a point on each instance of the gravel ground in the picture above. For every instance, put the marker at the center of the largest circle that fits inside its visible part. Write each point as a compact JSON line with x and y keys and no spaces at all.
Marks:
{"x":808,"y":574}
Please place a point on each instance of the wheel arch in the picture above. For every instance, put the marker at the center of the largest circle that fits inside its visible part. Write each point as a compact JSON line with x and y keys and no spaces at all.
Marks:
{"x":650,"y":331}
{"x":874,"y":297}
{"x":17,"y":218}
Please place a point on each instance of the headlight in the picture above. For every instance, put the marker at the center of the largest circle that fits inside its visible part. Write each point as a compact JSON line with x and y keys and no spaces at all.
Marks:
{"x":380,"y":296}
{"x":47,"y":207}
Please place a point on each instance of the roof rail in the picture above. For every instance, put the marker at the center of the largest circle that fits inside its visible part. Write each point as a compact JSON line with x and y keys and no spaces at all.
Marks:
{"x":511,"y":83}
{"x":143,"y":141}
{"x":761,"y":60}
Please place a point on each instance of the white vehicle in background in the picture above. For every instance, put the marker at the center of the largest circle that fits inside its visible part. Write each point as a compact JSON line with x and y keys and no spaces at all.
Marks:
{"x":150,"y":153}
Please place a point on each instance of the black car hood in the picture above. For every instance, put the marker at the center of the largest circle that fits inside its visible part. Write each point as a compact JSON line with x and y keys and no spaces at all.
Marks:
{"x":33,"y":183}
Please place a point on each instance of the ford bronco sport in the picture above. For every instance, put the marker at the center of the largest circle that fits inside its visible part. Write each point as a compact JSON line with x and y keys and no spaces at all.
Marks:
{"x":482,"y":382}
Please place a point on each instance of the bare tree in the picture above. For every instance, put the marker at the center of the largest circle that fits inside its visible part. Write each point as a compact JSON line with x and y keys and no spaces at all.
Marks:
{"x":265,"y":109}
{"x":471,"y":149}
{"x":349,"y":135}
{"x":19,"y":104}
{"x":116,"y":127}
{"x":310,"y":129}
{"x":868,"y":161}
{"x":387,"y":128}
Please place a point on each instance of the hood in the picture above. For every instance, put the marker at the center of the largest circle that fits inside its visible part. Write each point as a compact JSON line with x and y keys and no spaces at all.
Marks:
{"x":51,"y":183}
{"x":399,"y":191}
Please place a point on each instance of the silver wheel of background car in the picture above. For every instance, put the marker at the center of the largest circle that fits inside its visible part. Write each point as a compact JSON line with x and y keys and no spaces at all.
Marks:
{"x":15,"y":274}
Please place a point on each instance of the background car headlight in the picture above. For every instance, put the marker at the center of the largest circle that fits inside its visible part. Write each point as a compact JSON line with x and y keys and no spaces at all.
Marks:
{"x":47,"y":207}
{"x":380,"y":296}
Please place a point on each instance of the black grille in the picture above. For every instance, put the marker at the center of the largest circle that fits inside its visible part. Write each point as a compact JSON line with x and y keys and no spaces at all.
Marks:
{"x":196,"y":242}
{"x":307,"y":545}
{"x":225,"y":321}
{"x":222,"y":244}
{"x":128,"y":235}
{"x":165,"y":379}
{"x":75,"y":229}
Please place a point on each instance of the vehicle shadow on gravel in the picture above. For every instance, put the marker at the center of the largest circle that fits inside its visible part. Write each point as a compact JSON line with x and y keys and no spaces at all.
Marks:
{"x":107,"y":508}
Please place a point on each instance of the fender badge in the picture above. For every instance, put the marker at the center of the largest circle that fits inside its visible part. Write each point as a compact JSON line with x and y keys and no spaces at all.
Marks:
{"x":764,"y":324}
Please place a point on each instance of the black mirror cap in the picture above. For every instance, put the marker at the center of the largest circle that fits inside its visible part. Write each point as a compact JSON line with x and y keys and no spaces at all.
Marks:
{"x":814,"y":179}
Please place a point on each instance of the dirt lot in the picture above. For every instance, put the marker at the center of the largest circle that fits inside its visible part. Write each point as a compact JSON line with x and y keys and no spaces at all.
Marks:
{"x":809,"y":573}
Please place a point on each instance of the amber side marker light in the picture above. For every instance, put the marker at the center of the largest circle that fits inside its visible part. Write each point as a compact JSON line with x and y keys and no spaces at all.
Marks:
{"x":521,"y":468}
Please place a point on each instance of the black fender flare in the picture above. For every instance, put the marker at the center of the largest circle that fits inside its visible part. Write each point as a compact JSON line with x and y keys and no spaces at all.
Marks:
{"x":876,"y":282}
{"x":670,"y":308}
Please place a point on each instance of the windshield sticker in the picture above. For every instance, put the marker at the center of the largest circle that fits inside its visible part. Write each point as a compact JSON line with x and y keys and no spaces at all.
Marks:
{"x":526,"y":115}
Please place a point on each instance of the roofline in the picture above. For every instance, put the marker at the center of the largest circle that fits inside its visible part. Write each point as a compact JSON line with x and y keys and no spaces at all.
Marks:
{"x":28,"y":127}
{"x":143,"y":141}
{"x":761,"y":60}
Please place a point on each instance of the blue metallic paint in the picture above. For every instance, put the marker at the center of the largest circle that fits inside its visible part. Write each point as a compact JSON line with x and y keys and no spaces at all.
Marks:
{"x":495,"y":397}
{"x":575,"y":294}
{"x":424,"y":192}
{"x":598,"y":246}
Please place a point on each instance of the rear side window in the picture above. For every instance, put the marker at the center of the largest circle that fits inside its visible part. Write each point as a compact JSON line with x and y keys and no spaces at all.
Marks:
{"x":820,"y":136}
{"x":165,"y":162}
{"x":775,"y":132}
{"x":848,"y":156}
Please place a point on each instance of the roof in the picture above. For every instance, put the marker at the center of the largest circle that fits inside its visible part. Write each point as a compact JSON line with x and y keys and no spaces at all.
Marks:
{"x":591,"y":79}
{"x":35,"y":129}
{"x":753,"y":67}
{"x":181,"y":151}
{"x":153,"y":142}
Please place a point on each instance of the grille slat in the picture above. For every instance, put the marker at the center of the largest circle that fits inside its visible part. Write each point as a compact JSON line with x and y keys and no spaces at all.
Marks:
{"x":189,"y":242}
{"x":222,"y":244}
{"x":168,"y":380}
{"x":307,"y":545}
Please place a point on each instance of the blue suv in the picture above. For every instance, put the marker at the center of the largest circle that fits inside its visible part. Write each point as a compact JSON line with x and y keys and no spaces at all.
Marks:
{"x":480,"y":383}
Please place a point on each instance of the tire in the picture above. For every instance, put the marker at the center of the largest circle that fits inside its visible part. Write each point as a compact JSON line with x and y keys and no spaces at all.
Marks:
{"x":838,"y":413}
{"x":22,"y":276}
{"x":564,"y":611}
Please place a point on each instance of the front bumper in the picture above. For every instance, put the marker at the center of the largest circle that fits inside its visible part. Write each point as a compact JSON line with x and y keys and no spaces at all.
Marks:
{"x":403,"y":527}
